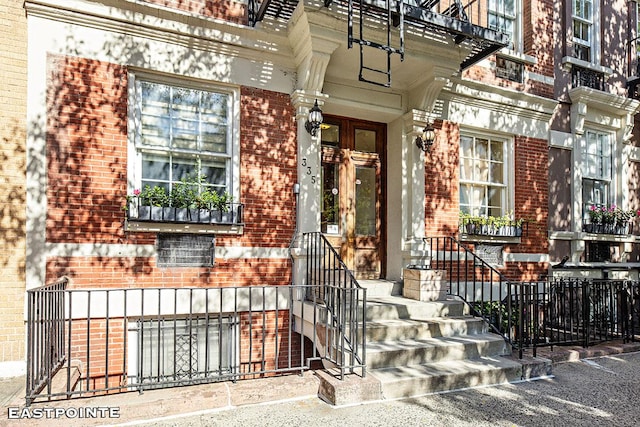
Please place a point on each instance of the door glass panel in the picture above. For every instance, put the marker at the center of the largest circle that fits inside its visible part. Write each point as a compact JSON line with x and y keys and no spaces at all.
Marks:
{"x":365,"y":140}
{"x":365,"y":201}
{"x":330,"y":216}
{"x":330,"y":135}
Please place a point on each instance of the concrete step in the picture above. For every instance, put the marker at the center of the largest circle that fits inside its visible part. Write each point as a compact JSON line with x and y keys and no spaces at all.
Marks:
{"x":395,"y":329}
{"x":381,"y":288}
{"x":396,"y":307}
{"x":416,"y":380}
{"x":407,"y":352}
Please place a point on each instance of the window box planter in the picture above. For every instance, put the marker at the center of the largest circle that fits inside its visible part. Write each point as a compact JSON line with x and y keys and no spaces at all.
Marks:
{"x":617,"y":229}
{"x":490,"y":230}
{"x":233,"y":214}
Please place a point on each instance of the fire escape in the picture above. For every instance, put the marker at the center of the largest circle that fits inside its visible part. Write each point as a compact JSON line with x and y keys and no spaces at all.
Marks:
{"x":432,"y":19}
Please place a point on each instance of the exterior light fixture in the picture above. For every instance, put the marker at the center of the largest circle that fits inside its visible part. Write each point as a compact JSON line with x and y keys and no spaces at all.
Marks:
{"x":425,"y":140}
{"x":314,"y":120}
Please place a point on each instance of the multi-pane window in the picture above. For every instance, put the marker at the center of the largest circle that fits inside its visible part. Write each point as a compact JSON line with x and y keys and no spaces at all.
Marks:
{"x":502,"y":17}
{"x":596,"y":170}
{"x":171,"y":350}
{"x":483,"y":176}
{"x":182,"y":132}
{"x":582,"y":29}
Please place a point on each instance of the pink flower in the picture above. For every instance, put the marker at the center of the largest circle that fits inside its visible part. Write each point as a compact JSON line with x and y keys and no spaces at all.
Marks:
{"x":136,"y":192}
{"x":593,"y":208}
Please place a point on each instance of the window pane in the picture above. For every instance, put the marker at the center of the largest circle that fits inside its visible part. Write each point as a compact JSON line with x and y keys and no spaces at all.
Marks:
{"x":330,"y":199}
{"x":482,"y":149}
{"x":215,"y":173}
{"x":365,"y":140}
{"x":330,"y":135}
{"x":481,"y":170}
{"x":497,"y":173}
{"x":156,"y":168}
{"x":366,"y":201}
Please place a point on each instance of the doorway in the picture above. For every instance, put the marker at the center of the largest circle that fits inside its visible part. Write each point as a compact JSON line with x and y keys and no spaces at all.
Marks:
{"x":353,"y":193}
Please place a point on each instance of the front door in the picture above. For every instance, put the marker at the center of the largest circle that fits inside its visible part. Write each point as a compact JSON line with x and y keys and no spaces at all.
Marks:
{"x":353,"y":194}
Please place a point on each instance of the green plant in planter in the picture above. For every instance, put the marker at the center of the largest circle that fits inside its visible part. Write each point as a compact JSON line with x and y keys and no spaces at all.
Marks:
{"x":153,"y":196}
{"x":212,"y":200}
{"x":184,"y":194}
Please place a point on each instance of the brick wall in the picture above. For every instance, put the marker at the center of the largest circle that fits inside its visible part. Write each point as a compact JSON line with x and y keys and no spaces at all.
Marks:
{"x":87,"y":175}
{"x":227,"y":10}
{"x":531,"y":195}
{"x":13,"y":92}
{"x":442,"y":199}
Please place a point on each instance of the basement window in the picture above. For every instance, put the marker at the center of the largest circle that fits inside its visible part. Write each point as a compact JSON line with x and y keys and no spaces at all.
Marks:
{"x":185,"y":250}
{"x":174,"y":351}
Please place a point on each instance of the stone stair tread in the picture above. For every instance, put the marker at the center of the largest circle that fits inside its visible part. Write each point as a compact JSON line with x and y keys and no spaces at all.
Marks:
{"x":408,"y":343}
{"x":443,"y":368}
{"x":417,"y":322}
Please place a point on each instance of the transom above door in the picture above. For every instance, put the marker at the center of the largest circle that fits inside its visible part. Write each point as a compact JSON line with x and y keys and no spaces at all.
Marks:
{"x":352,"y":193}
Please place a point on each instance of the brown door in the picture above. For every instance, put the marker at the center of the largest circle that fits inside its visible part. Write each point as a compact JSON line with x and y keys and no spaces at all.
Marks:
{"x":353,"y":194}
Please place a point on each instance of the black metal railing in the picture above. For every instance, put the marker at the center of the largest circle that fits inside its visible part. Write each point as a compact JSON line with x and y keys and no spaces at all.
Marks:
{"x":88,"y":342}
{"x":45,"y":335}
{"x":529,"y":315}
{"x":565,"y":311}
{"x":333,"y":286}
{"x":475,"y":281}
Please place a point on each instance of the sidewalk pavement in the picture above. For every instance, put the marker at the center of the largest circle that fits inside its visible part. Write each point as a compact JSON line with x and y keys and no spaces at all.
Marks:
{"x":165,"y":404}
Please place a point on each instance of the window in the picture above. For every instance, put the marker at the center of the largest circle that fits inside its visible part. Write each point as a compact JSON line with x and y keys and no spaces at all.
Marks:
{"x":582,"y":29}
{"x":502,"y":17}
{"x":171,"y":350}
{"x":181,"y":132}
{"x":596,"y":170}
{"x":483,"y":176}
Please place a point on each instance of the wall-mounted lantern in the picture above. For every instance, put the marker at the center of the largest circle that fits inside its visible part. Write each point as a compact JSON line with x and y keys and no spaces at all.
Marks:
{"x":314,"y":120}
{"x":425,"y":140}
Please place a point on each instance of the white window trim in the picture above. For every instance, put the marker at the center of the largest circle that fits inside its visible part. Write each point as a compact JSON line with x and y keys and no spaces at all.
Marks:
{"x":509,"y":164}
{"x":594,"y":33}
{"x":134,"y":156}
{"x":617,"y":187}
{"x":518,"y":43}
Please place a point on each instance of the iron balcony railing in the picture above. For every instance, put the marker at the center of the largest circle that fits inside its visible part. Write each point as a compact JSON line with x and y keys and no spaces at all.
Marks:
{"x":87,"y":342}
{"x":333,"y":286}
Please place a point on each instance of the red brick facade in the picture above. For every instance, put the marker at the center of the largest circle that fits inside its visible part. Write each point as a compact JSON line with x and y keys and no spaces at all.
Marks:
{"x":87,"y":182}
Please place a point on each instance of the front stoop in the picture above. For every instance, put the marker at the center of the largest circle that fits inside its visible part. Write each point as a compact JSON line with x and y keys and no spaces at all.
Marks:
{"x":418,"y":347}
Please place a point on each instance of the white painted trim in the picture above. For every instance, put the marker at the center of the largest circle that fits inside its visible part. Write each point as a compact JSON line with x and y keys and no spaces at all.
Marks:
{"x":125,"y":251}
{"x":523,"y":257}
{"x":563,"y":140}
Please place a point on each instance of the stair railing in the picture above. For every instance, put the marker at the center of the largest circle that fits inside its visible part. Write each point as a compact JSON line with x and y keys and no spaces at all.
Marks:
{"x":486,"y":291}
{"x":332,"y":285}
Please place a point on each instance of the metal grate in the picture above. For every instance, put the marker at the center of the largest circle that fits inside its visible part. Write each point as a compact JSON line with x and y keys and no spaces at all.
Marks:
{"x":185,"y":250}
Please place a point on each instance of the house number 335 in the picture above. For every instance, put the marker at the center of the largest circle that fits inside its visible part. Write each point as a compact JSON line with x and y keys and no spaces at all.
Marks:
{"x":308,"y":170}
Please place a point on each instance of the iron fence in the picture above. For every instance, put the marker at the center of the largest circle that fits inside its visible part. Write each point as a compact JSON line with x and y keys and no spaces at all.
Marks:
{"x":577,"y":311}
{"x":87,"y":342}
{"x":529,"y":315}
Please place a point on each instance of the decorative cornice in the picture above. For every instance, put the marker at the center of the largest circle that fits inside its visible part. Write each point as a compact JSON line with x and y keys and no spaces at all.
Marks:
{"x":488,"y":97}
{"x":153,"y":22}
{"x":616,"y":105}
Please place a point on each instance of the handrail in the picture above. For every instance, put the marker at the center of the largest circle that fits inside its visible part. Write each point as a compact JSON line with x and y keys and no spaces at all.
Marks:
{"x":344,"y":299}
{"x":486,"y":290}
